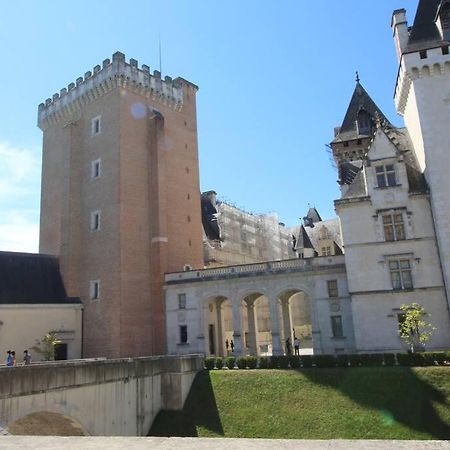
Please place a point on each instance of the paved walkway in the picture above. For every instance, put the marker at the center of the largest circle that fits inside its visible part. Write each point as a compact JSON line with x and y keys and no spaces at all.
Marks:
{"x":132,"y":443}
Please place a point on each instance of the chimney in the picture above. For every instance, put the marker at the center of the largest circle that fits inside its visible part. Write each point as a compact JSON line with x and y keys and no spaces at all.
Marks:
{"x":399,"y":26}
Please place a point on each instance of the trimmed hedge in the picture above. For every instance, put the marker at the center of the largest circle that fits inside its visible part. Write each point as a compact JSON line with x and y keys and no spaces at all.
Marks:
{"x":324,"y":360}
{"x":209,"y":363}
{"x":264,"y":362}
{"x":306,"y":360}
{"x":353,"y":360}
{"x":230,"y":361}
{"x":342,"y":360}
{"x":371,"y":359}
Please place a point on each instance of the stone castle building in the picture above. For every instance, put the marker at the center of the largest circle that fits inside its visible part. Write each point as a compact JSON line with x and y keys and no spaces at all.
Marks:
{"x":160,"y":268}
{"x":120,"y":199}
{"x":394,"y":220}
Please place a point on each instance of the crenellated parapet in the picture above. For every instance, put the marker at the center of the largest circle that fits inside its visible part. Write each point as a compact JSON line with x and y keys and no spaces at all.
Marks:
{"x":66,"y":105}
{"x":412,"y":67}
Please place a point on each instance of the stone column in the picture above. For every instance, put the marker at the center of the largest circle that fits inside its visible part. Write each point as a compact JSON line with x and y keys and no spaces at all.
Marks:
{"x":220,"y":327}
{"x":287,"y":321}
{"x":252,"y":328}
{"x":237,"y":327}
{"x":274,"y":322}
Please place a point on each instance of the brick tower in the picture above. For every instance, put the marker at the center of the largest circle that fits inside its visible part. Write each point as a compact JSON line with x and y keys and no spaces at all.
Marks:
{"x":120,"y":201}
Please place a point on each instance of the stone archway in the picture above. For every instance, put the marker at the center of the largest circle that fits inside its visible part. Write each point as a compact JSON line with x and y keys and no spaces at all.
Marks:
{"x":296,"y":320}
{"x":257,"y":324}
{"x":46,"y":423}
{"x":218,"y":325}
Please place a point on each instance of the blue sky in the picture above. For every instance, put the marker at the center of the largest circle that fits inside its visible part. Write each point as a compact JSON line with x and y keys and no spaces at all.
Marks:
{"x":275,"y":78}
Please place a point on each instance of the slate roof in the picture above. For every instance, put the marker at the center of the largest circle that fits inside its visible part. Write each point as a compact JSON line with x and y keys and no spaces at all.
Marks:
{"x":424,"y":30}
{"x":313,"y":215}
{"x":303,"y":240}
{"x":360,"y":100}
{"x":29,"y":278}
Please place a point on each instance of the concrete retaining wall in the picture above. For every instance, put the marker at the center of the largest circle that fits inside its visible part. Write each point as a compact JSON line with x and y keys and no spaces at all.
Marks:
{"x":118,"y":397}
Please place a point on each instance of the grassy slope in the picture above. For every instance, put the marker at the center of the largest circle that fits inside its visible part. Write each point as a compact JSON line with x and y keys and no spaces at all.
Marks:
{"x":362,"y":403}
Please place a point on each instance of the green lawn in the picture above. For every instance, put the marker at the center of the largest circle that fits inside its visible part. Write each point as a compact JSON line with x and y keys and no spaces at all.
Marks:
{"x":353,"y":403}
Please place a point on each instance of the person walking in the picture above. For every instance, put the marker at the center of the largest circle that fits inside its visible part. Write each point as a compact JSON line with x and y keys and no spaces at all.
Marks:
{"x":26,"y":357}
{"x":296,"y":346}
{"x":232,"y":345}
{"x":288,"y":346}
{"x":227,"y":345}
{"x":9,"y":359}
{"x":13,"y":354}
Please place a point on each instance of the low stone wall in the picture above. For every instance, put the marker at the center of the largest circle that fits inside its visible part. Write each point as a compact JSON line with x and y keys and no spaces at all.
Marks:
{"x":118,"y":397}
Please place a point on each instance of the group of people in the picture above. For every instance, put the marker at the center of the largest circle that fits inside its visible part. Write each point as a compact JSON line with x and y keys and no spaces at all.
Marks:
{"x":11,"y":360}
{"x":296,"y":346}
{"x":229,"y":344}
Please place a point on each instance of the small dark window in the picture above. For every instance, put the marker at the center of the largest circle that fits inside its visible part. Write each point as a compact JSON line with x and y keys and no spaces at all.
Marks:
{"x":423,"y":54}
{"x":345,"y":144}
{"x":187,"y":169}
{"x":183,"y":334}
{"x":185,"y":146}
{"x":189,"y":196}
{"x":188,"y":218}
{"x":445,"y":50}
{"x":336,"y":326}
{"x":181,"y":301}
{"x":332,"y":288}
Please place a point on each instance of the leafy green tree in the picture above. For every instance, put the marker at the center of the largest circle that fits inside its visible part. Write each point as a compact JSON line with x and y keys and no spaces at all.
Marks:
{"x":413,"y":328}
{"x":46,"y":346}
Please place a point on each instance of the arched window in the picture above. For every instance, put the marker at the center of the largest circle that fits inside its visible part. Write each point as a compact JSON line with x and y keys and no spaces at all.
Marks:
{"x":364,"y":122}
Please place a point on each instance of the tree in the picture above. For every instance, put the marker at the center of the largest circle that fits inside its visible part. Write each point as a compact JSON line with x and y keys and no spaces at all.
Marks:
{"x":413,"y":328}
{"x":46,"y":346}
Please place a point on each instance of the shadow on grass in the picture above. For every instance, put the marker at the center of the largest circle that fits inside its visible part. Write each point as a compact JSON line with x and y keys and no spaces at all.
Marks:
{"x":200,"y":410}
{"x":397,"y":393}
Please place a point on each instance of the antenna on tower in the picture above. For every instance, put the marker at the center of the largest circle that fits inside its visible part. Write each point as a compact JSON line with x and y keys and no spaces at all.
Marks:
{"x":357,"y":76}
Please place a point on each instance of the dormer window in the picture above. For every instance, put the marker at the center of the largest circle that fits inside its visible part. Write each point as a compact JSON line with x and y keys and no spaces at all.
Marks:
{"x":385,"y":175}
{"x":364,"y":122}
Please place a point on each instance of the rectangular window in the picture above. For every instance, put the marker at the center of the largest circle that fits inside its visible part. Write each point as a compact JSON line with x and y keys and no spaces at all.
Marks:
{"x":394,"y":228}
{"x":445,"y":50}
{"x":95,"y":221}
{"x":423,"y":54}
{"x":336,"y":326}
{"x":332,"y":287}
{"x":183,"y":334}
{"x":96,"y":125}
{"x":96,"y":168}
{"x":94,"y":289}
{"x":181,"y":301}
{"x":386,"y":175}
{"x":326,"y":251}
{"x":400,"y":274}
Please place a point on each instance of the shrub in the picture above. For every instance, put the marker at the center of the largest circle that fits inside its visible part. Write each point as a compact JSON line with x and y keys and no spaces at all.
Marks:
{"x":440,"y":358}
{"x":324,"y":360}
{"x":274,"y":362}
{"x":415,"y":359}
{"x":342,"y":360}
{"x":209,"y":363}
{"x":294,"y":362}
{"x":264,"y":362}
{"x":241,"y":362}
{"x":283,"y":362}
{"x":354,"y":360}
{"x":219,"y":363}
{"x":306,"y":360}
{"x":389,"y":359}
{"x":252,"y":362}
{"x":371,"y":359}
{"x":230,"y":362}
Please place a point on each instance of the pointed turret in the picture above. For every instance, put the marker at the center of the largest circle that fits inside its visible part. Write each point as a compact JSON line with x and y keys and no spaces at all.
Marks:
{"x":352,"y":138}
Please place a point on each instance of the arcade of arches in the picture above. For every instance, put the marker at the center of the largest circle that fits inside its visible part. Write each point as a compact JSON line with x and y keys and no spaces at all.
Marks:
{"x":258,"y":326}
